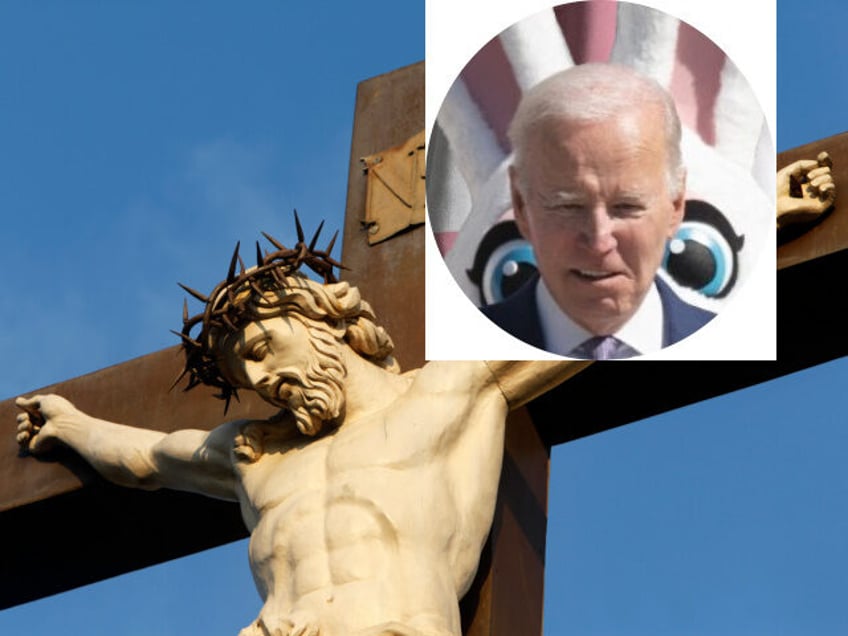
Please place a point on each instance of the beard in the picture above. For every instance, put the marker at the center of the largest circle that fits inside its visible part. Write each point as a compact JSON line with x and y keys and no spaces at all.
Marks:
{"x":314,"y":395}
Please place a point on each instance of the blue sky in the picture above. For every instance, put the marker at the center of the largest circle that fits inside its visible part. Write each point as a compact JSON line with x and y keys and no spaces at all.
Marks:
{"x":139,"y":141}
{"x":812,"y":96}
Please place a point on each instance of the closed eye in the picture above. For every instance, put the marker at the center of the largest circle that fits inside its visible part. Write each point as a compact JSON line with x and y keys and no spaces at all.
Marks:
{"x":257,"y":351}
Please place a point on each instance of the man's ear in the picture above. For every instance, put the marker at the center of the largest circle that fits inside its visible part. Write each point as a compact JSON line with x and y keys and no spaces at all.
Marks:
{"x":518,"y":204}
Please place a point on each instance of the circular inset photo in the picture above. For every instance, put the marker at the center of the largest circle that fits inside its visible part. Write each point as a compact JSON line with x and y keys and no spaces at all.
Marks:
{"x":600,"y":180}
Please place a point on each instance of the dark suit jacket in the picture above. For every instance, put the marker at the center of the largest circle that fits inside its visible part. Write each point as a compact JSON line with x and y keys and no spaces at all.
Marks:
{"x":519,"y":315}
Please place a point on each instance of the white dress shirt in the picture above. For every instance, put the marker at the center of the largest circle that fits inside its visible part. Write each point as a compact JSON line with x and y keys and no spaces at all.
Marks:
{"x":643,"y":331}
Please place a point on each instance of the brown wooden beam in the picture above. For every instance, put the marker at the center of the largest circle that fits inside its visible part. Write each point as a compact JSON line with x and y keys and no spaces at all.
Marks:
{"x":507,"y":596}
{"x":106,"y":530}
{"x":811,"y":265}
{"x":390,"y":275}
{"x":808,"y":324}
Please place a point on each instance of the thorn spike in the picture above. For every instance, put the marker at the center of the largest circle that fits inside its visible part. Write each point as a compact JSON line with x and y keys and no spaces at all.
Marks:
{"x":315,"y":238}
{"x":300,"y":237}
{"x":273,"y":241}
{"x":178,"y":380}
{"x":332,"y":243}
{"x":195,"y":293}
{"x":186,"y":339}
{"x":232,"y":271}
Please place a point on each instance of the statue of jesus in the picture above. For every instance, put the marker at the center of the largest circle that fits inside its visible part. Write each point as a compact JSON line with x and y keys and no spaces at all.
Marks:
{"x":370,"y":494}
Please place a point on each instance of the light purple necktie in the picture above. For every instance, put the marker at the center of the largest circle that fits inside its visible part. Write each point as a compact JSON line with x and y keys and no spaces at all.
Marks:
{"x":603,"y":348}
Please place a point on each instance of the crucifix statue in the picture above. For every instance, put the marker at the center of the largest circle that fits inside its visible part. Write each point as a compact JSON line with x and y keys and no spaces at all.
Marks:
{"x":369,"y":495}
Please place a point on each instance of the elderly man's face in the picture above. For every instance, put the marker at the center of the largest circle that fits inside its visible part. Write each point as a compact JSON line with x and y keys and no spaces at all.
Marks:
{"x":594,"y":201}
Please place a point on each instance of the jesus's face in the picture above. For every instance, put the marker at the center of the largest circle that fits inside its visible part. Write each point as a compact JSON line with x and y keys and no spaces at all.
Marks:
{"x":290,"y":367}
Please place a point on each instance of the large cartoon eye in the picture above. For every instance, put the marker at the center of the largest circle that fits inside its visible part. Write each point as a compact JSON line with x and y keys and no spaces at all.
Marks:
{"x":503,"y":263}
{"x":703,"y":254}
{"x":508,"y":267}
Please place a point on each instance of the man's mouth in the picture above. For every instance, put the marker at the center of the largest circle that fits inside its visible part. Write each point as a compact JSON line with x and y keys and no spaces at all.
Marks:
{"x":283,"y":392}
{"x":593,"y":274}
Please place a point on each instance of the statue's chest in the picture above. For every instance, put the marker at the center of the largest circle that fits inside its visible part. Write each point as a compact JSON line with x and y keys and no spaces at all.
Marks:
{"x":284,"y":472}
{"x":354,"y":462}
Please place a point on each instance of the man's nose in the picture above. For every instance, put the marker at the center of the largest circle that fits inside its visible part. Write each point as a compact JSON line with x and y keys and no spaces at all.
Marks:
{"x":256,"y":373}
{"x":599,"y":229}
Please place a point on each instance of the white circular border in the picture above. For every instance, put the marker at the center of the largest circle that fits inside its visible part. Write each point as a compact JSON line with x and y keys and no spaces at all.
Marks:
{"x":455,"y":31}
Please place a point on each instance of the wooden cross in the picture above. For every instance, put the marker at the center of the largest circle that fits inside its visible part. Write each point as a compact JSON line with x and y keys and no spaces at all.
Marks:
{"x":109,"y":530}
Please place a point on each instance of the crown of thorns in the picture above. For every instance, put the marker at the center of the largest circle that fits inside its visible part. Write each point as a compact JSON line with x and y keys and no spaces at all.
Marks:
{"x":226,"y":307}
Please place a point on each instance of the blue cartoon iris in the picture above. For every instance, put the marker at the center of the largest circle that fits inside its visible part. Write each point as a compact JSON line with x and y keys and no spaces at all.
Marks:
{"x":703,"y":255}
{"x":504,"y":262}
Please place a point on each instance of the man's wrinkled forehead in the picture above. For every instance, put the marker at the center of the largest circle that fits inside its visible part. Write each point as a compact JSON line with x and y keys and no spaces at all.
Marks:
{"x":559,"y":150}
{"x":570,"y":140}
{"x":630,"y":115}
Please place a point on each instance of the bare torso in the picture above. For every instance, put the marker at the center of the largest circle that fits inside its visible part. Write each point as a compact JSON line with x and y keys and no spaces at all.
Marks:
{"x":394,"y":506}
{"x":372,"y":528}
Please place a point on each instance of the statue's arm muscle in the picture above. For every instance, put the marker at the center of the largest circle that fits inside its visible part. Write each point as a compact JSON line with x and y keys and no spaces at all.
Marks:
{"x":191,"y":460}
{"x":197,"y":461}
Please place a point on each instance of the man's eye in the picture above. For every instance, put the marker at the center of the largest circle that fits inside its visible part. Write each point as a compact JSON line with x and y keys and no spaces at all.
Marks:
{"x":628,"y":209}
{"x":566,"y":209}
{"x":258,"y":352}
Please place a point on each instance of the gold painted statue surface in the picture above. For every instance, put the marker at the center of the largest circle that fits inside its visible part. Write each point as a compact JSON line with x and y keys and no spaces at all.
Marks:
{"x":805,"y":190}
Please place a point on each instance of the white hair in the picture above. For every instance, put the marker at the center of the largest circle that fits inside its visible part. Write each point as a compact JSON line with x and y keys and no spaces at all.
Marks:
{"x":590,"y":93}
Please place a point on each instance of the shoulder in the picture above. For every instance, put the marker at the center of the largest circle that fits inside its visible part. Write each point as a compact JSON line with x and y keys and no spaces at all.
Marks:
{"x":246,"y":440}
{"x":511,"y":382}
{"x":444,"y":377}
{"x":449,"y":395}
{"x":520,"y":381}
{"x":462,"y":384}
